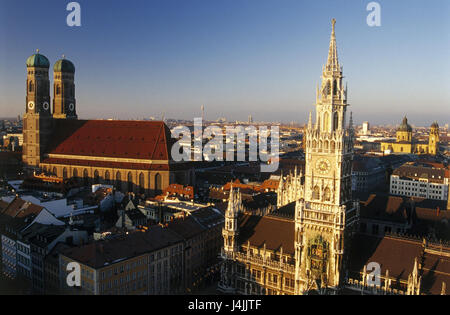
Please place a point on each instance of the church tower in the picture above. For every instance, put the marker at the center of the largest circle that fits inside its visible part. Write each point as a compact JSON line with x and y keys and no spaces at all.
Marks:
{"x":327,"y":211}
{"x":433,"y":143}
{"x":64,"y":105}
{"x":37,"y":121}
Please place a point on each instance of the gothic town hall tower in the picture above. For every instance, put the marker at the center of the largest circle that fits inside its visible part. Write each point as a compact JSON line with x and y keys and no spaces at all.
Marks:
{"x":325,"y":216}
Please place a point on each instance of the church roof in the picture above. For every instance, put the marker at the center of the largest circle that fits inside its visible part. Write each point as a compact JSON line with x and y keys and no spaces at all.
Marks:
{"x":64,"y":65}
{"x":38,"y":60}
{"x":405,"y":126}
{"x":149,"y":140}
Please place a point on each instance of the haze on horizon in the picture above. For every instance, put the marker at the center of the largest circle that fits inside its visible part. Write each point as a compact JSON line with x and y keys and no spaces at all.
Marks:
{"x":237,"y":58}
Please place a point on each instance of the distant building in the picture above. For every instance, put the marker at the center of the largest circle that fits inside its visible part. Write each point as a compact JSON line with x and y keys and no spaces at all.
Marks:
{"x":424,"y":180}
{"x":406,"y":144}
{"x":365,"y":128}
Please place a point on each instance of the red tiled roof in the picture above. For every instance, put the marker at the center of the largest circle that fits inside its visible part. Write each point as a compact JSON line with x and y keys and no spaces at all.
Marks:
{"x":148,"y":140}
{"x":19,"y":208}
{"x":397,"y":255}
{"x":119,"y":165}
{"x":272,"y":231}
{"x":392,"y":208}
{"x":180,"y":190}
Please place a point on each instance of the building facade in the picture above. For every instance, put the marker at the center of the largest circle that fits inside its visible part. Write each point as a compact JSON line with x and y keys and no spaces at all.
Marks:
{"x":420,"y":180}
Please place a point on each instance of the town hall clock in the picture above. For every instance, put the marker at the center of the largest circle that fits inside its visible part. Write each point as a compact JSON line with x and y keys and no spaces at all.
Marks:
{"x":323,"y":166}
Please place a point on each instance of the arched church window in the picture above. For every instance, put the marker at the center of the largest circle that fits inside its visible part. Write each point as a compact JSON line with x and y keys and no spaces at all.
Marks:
{"x":55,"y":171}
{"x":31,"y":87}
{"x":118,"y":181}
{"x":333,"y":146}
{"x":107,"y":177}
{"x":96,"y":177}
{"x":158,"y":183}
{"x":334,"y":87}
{"x":58,"y":90}
{"x":316,"y":193}
{"x":65,"y":173}
{"x":141,"y":183}
{"x":86,"y":177}
{"x":130,"y":182}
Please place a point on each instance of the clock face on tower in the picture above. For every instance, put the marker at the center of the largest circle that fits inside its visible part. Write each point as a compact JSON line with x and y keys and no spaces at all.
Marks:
{"x":30,"y":105}
{"x":71,"y":107}
{"x":45,"y":106}
{"x":323,"y":166}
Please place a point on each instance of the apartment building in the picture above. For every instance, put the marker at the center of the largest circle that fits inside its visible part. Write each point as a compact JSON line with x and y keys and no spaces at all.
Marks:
{"x":423,"y":180}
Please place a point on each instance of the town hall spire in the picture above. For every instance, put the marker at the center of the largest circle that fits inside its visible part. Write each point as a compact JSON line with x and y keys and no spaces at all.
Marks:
{"x":333,"y":62}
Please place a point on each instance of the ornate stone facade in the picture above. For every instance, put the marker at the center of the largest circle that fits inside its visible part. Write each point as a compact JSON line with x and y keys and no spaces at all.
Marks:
{"x":290,"y":188}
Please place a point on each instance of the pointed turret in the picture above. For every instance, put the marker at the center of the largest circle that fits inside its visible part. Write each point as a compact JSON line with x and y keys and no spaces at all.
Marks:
{"x":333,"y":62}
{"x":310,"y":120}
{"x":351,"y":121}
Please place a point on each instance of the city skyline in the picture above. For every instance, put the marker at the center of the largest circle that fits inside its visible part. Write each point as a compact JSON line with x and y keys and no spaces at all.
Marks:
{"x":238,"y":59}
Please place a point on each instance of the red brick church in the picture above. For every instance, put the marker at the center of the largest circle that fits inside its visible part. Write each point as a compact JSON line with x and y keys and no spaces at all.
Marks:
{"x":132,"y":155}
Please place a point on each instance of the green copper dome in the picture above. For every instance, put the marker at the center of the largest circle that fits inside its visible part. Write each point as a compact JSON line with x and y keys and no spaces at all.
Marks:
{"x":64,"y":65}
{"x":38,"y":60}
{"x":405,"y":126}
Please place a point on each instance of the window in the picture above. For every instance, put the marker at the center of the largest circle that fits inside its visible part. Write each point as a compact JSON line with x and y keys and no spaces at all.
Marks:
{"x":141,"y":183}
{"x":327,"y":194}
{"x":130,"y":182}
{"x":316,"y":193}
{"x":158,"y":182}
{"x":107,"y":177}
{"x":118,"y":181}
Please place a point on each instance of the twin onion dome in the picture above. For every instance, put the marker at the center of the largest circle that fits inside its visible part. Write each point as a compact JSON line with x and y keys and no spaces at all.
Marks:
{"x":40,"y":61}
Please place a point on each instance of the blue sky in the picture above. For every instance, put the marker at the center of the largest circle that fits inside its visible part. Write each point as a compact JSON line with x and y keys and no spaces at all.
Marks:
{"x":263,"y":58}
